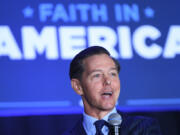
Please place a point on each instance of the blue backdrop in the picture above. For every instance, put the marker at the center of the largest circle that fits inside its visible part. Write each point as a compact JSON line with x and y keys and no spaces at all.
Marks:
{"x":38,"y":39}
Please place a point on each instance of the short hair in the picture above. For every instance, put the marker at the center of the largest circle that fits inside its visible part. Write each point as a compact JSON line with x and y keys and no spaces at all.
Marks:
{"x":76,"y":65}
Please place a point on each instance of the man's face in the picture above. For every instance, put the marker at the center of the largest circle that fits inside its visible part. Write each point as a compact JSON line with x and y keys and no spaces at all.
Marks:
{"x":100,"y":83}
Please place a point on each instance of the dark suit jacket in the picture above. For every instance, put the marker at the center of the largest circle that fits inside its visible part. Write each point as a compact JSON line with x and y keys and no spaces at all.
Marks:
{"x":131,"y":125}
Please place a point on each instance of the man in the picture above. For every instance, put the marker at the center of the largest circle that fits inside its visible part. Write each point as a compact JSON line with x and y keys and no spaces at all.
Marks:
{"x":94,"y":76}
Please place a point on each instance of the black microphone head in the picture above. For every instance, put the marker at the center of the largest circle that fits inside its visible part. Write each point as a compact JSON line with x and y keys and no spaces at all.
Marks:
{"x":115,"y":119}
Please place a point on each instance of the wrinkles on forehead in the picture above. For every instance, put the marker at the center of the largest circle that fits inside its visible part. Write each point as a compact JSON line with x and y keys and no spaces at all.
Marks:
{"x":98,"y":63}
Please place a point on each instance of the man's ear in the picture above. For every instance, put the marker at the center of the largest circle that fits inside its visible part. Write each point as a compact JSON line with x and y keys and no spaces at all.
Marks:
{"x":76,"y":85}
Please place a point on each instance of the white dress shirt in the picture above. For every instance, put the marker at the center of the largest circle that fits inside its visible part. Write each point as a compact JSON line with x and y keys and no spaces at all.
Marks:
{"x":88,"y":123}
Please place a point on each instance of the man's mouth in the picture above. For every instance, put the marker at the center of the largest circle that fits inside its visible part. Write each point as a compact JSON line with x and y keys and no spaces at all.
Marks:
{"x":107,"y":93}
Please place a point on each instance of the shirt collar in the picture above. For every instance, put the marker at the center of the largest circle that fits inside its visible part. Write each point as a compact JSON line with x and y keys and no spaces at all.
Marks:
{"x":88,"y":121}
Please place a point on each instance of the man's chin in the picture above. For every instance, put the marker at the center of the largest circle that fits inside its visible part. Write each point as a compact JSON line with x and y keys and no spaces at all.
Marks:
{"x":108,"y":107}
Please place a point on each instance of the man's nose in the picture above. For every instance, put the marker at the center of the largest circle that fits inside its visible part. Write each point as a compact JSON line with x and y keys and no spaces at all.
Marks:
{"x":107,"y":80}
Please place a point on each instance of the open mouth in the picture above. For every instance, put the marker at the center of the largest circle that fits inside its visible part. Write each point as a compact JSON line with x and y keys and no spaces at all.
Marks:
{"x":107,"y":94}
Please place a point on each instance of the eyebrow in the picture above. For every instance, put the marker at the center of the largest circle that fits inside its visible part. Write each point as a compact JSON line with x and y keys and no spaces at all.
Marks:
{"x":99,"y":70}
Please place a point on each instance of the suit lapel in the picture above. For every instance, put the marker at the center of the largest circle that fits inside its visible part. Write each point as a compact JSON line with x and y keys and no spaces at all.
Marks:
{"x":78,"y":129}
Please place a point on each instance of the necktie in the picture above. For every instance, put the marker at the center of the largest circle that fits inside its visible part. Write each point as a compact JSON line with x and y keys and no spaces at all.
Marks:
{"x":99,"y":125}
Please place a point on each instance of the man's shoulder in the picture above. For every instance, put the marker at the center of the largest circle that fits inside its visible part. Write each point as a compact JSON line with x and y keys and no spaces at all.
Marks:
{"x":76,"y":130}
{"x":136,"y":119}
{"x":141,"y":124}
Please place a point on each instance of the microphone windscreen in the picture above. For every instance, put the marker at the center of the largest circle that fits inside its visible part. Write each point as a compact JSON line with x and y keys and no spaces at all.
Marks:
{"x":115,"y":119}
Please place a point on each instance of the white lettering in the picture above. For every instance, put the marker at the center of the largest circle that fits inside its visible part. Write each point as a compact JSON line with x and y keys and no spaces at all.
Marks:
{"x":72,"y":40}
{"x":139,"y":39}
{"x":172,"y":45}
{"x":66,"y":41}
{"x":125,"y":48}
{"x":103,"y":36}
{"x":45,"y":41}
{"x":8,"y":45}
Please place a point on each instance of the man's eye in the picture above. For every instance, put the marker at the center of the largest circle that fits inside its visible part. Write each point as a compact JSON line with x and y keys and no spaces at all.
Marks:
{"x":96,"y":75}
{"x":114,"y":74}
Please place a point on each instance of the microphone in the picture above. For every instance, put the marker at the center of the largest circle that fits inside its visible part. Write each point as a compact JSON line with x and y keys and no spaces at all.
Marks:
{"x":115,"y":121}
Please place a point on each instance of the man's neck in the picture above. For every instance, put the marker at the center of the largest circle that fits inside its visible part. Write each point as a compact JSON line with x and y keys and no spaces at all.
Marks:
{"x":99,"y":114}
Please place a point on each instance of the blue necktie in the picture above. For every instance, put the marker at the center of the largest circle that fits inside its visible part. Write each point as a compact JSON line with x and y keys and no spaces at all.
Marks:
{"x":99,"y":125}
